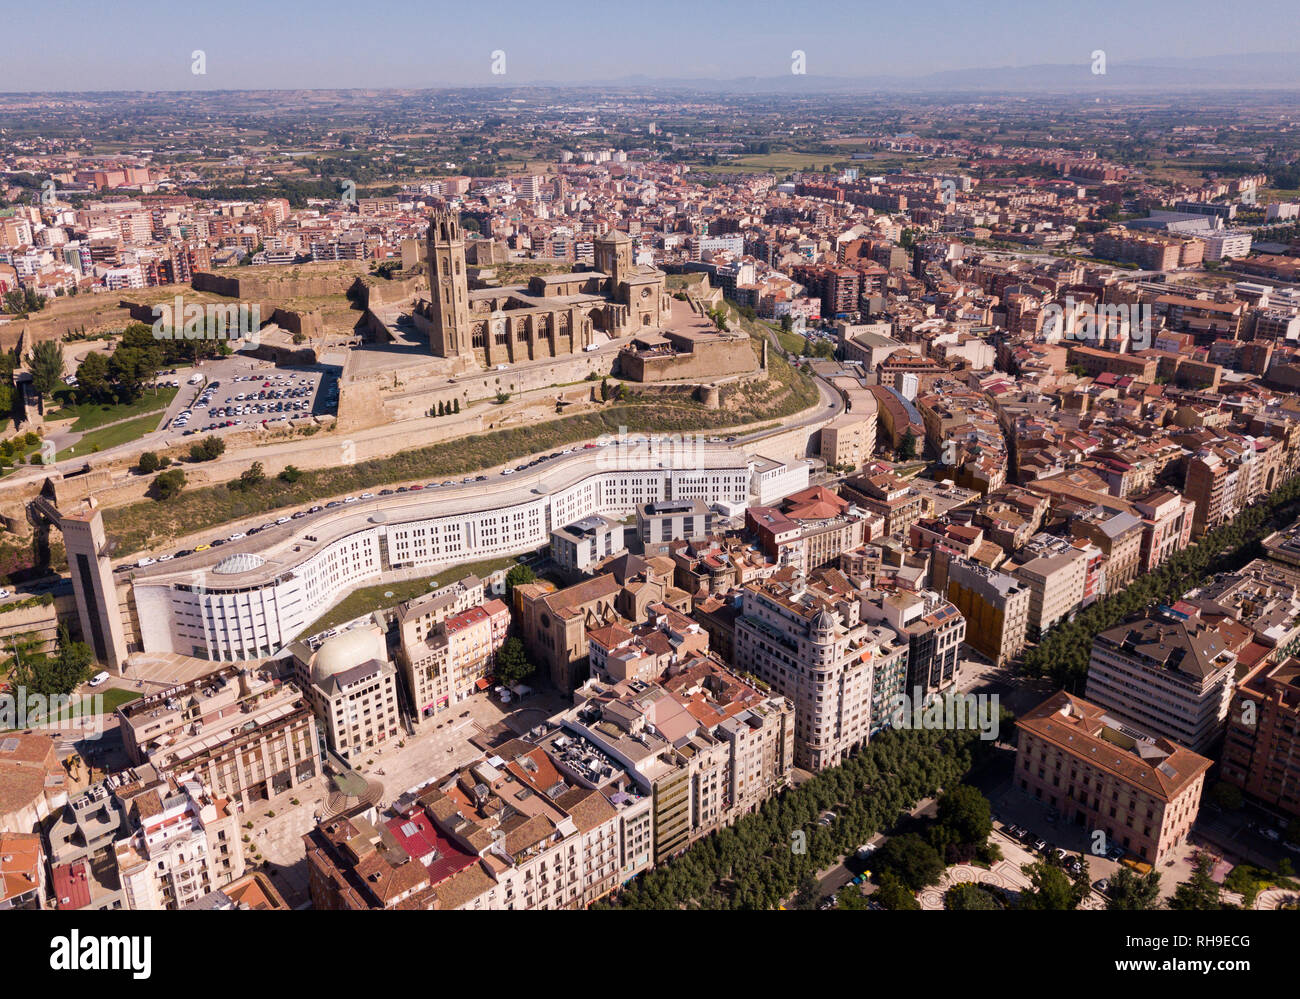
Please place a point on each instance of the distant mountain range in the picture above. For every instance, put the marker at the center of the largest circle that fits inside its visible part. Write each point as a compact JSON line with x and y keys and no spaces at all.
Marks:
{"x":1256,"y":71}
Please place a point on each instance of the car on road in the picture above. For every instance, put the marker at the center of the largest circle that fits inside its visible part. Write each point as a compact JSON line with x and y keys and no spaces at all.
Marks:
{"x":237,"y":536}
{"x":99,"y":679}
{"x":144,"y":562}
{"x":184,"y":551}
{"x":5,"y":594}
{"x":1272,"y":835}
{"x":282,"y":520}
{"x":201,"y":548}
{"x":165,"y":558}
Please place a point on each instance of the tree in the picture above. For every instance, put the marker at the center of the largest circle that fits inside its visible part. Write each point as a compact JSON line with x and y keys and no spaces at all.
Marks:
{"x":965,"y":897}
{"x":518,"y":574}
{"x":1200,"y":892}
{"x":50,"y":676}
{"x":852,"y":899}
{"x":168,"y":484}
{"x":912,"y":860}
{"x":290,"y":474}
{"x":46,"y":363}
{"x":907,"y":446}
{"x":455,"y":405}
{"x":252,"y":476}
{"x":513,"y":664}
{"x":503,"y":398}
{"x":1130,"y":891}
{"x":442,"y":408}
{"x":809,"y":893}
{"x":891,"y":893}
{"x":93,"y":381}
{"x":965,"y":814}
{"x":1052,"y":890}
{"x":148,"y":463}
{"x":208,"y":449}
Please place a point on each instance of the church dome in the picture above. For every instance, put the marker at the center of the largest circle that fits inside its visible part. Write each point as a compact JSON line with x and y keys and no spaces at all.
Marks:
{"x":342,"y":652}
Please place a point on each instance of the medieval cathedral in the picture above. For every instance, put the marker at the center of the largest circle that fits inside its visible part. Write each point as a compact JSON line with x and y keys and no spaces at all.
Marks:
{"x":550,"y":316}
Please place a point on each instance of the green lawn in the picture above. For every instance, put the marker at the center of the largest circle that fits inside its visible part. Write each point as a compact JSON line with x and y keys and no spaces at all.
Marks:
{"x":373,"y":598}
{"x":102,"y":440}
{"x":89,"y":415}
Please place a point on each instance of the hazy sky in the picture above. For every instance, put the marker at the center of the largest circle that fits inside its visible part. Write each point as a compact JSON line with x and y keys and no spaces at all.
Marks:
{"x":147,"y":45}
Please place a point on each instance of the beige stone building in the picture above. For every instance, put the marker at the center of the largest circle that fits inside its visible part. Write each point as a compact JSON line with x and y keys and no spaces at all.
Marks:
{"x":849,"y":439}
{"x":244,"y":735}
{"x":450,"y":660}
{"x":813,"y":646}
{"x":1143,"y":793}
{"x":352,"y":687}
{"x":995,"y":606}
{"x":184,"y":844}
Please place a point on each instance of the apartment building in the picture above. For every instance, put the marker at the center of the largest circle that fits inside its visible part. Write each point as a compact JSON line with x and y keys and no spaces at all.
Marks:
{"x":1118,"y":535}
{"x":445,"y":661}
{"x":242,"y":733}
{"x":811,"y":530}
{"x":701,"y":742}
{"x":1143,"y":793}
{"x":1261,"y":751}
{"x":644,"y":651}
{"x":933,"y":628}
{"x":352,"y":687}
{"x":994,"y":605}
{"x":1056,"y":574}
{"x":813,"y":647}
{"x":1166,"y":525}
{"x":1171,"y":676}
{"x":665,"y":521}
{"x":22,"y":871}
{"x":889,"y":496}
{"x":580,"y":545}
{"x":1149,"y":251}
{"x":849,"y":439}
{"x":184,"y":843}
{"x":1222,"y":478}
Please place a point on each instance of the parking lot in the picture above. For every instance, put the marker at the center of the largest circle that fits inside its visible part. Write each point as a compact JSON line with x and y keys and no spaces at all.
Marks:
{"x":241,"y":392}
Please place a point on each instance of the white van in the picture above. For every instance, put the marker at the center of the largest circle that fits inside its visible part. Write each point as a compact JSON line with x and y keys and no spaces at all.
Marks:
{"x":98,"y":679}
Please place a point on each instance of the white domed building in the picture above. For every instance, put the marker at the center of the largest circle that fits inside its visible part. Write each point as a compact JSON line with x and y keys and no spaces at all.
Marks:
{"x":352,"y":686}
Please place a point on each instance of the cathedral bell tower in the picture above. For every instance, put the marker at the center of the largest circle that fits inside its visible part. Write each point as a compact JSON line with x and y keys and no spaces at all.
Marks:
{"x":448,"y":286}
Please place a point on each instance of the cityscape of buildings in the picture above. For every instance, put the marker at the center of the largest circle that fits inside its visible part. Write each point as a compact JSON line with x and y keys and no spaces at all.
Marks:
{"x":607,"y":472}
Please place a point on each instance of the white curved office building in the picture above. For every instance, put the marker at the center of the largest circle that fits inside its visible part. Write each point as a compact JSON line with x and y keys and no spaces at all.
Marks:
{"x":249,"y":598}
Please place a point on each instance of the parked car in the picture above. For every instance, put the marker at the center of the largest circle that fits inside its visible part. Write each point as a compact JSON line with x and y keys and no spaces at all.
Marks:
{"x":1102,"y":886}
{"x":1040,"y":845}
